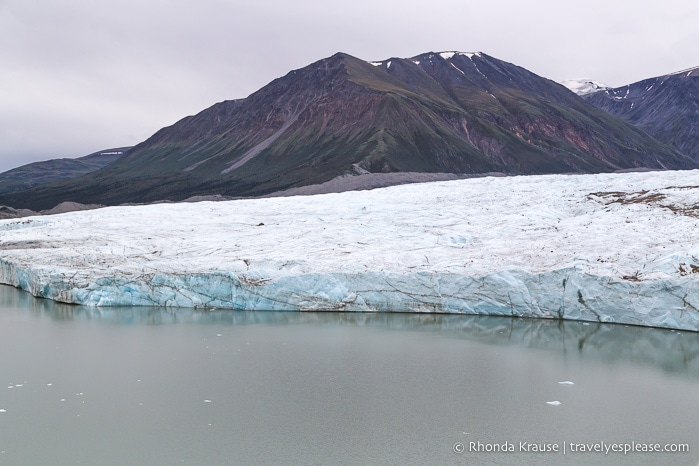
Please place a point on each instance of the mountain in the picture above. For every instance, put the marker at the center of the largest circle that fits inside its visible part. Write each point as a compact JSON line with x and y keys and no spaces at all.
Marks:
{"x":446,"y":112}
{"x":666,"y":107}
{"x":39,"y":173}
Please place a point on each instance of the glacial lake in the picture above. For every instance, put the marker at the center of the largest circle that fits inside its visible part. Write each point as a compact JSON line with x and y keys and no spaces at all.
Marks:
{"x":117,"y":386}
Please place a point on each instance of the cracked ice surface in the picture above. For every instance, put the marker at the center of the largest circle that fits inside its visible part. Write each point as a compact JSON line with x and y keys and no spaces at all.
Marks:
{"x":611,"y":247}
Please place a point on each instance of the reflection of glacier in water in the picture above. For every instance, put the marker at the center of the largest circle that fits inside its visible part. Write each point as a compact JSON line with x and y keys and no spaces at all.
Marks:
{"x":672,"y":351}
{"x":171,"y":386}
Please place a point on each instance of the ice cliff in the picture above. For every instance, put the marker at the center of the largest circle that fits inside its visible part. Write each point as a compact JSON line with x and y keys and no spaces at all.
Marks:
{"x":611,"y":248}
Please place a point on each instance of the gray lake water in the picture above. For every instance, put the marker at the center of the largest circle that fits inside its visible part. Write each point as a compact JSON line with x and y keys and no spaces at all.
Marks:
{"x":135,"y":386}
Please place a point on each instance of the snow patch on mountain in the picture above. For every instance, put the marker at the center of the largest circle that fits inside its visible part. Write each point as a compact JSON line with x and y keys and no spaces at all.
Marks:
{"x":450,"y":55}
{"x":457,"y":69}
{"x":610,"y":248}
{"x":585,"y":86}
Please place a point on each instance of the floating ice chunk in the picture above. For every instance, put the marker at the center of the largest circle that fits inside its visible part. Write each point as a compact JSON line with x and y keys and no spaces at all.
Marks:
{"x":553,"y":403}
{"x":566,"y":382}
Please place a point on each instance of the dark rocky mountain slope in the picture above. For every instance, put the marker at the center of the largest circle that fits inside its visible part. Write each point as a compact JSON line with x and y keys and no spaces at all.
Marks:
{"x":434,"y":113}
{"x":48,"y":171}
{"x":666,"y":107}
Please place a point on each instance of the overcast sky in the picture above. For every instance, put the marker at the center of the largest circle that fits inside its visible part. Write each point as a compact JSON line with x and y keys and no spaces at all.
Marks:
{"x":78,"y":76}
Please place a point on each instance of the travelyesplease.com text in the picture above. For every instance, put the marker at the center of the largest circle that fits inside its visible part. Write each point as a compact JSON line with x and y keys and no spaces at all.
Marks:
{"x":570,"y":447}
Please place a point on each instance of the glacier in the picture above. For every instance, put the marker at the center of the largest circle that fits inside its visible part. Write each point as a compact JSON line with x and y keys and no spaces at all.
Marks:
{"x":618,"y":248}
{"x":585,"y":86}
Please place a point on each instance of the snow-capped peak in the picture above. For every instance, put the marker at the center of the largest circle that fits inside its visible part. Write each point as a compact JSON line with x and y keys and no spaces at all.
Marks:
{"x":430,"y":56}
{"x":449,"y":55}
{"x":584,"y":86}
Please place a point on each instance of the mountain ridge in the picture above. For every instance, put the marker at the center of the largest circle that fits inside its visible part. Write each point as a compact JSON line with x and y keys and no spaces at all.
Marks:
{"x":48,"y":171}
{"x":447,"y":112}
{"x":666,"y":107}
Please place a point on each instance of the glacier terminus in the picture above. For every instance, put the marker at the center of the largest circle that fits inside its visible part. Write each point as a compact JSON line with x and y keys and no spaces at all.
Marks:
{"x":620,"y":247}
